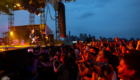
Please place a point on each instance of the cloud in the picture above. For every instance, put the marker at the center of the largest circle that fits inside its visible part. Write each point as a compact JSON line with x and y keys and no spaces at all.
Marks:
{"x":85,"y":15}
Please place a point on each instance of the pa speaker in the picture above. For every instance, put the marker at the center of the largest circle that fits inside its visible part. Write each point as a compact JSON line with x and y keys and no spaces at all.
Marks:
{"x":61,"y":15}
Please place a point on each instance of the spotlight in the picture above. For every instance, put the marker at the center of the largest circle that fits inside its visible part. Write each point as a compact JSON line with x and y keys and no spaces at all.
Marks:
{"x":11,"y":33}
{"x":18,"y":4}
{"x":39,"y":14}
{"x":6,"y":5}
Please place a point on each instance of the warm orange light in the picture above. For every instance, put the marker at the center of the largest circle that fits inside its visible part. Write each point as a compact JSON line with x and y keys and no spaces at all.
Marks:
{"x":11,"y":33}
{"x":18,"y":4}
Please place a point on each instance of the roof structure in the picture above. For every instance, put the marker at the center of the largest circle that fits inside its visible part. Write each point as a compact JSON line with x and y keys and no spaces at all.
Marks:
{"x":28,"y":28}
{"x":32,"y":6}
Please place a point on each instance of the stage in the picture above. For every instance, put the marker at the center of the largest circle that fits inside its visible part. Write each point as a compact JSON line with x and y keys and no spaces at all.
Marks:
{"x":11,"y":47}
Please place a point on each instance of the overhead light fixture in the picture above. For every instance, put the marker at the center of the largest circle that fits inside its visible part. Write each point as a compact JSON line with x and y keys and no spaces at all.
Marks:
{"x":18,"y":4}
{"x":6,"y":5}
{"x":37,"y":12}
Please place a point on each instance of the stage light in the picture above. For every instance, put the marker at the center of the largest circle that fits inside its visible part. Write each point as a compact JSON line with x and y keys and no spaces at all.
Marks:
{"x":6,"y":5}
{"x":5,"y":78}
{"x":39,"y":14}
{"x":18,"y":4}
{"x":14,"y":6}
{"x":11,"y":33}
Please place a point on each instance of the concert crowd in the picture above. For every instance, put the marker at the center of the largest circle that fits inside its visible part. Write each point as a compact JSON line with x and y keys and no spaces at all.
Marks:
{"x":97,"y":60}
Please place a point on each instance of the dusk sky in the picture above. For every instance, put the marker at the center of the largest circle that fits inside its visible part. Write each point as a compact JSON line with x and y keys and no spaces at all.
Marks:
{"x":106,"y":18}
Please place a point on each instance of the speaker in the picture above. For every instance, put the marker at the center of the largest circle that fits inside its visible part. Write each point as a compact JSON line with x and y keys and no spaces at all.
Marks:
{"x":61,"y":15}
{"x":51,"y":38}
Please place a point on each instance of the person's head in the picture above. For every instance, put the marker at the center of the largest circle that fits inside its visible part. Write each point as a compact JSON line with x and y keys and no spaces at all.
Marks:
{"x":92,"y":50}
{"x":63,"y":58}
{"x":111,"y":44}
{"x":123,"y":49}
{"x":129,"y":66}
{"x":110,"y":49}
{"x":32,"y":30}
{"x":130,"y":44}
{"x":108,"y":57}
{"x":120,"y":46}
{"x":117,"y":52}
{"x":101,"y":57}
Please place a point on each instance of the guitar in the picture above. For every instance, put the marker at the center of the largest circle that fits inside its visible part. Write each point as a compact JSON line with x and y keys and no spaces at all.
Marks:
{"x":34,"y":39}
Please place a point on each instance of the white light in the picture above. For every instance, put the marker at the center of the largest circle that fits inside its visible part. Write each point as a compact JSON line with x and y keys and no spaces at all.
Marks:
{"x":11,"y":33}
{"x":14,"y":6}
{"x":18,"y":4}
{"x":39,"y":14}
{"x":30,"y":50}
{"x":5,"y":78}
{"x":75,"y":41}
{"x":6,"y":5}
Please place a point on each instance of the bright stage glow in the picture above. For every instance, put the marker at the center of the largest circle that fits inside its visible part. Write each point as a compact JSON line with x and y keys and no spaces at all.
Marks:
{"x":39,"y":14}
{"x":18,"y":4}
{"x":11,"y":33}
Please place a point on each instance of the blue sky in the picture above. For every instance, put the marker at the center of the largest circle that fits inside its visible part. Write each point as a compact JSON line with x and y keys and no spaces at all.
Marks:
{"x":106,"y":18}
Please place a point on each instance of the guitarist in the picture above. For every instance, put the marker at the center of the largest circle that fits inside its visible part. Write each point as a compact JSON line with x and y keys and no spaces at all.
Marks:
{"x":32,"y":37}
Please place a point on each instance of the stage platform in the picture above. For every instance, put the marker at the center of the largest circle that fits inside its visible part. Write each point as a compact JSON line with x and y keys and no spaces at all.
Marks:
{"x":10,"y":47}
{"x":13,"y":47}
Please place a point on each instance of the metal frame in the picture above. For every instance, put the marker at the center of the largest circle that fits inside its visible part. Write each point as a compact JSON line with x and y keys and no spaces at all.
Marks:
{"x":42,"y":16}
{"x":57,"y":26}
{"x":10,"y":23}
{"x":10,"y":19}
{"x":42,"y":22}
{"x":31,"y":19}
{"x":54,"y":3}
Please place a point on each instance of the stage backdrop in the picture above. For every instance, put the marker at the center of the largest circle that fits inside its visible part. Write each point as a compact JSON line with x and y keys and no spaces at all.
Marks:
{"x":22,"y":32}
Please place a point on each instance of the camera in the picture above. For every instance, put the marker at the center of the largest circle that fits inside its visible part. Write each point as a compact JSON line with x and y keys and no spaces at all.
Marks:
{"x":102,"y":69}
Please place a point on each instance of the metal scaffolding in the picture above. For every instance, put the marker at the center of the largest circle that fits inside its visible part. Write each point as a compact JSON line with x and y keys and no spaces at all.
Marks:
{"x":57,"y":26}
{"x":42,"y":22}
{"x":42,"y":16}
{"x":10,"y":24}
{"x":54,"y":3}
{"x":31,"y":19}
{"x":10,"y":19}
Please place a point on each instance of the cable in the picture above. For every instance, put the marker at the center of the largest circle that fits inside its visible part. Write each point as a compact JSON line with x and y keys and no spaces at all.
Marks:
{"x":50,"y":14}
{"x":46,"y":14}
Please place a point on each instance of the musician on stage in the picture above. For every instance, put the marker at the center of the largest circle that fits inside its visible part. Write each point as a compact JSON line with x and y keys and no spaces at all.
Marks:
{"x":32,"y":37}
